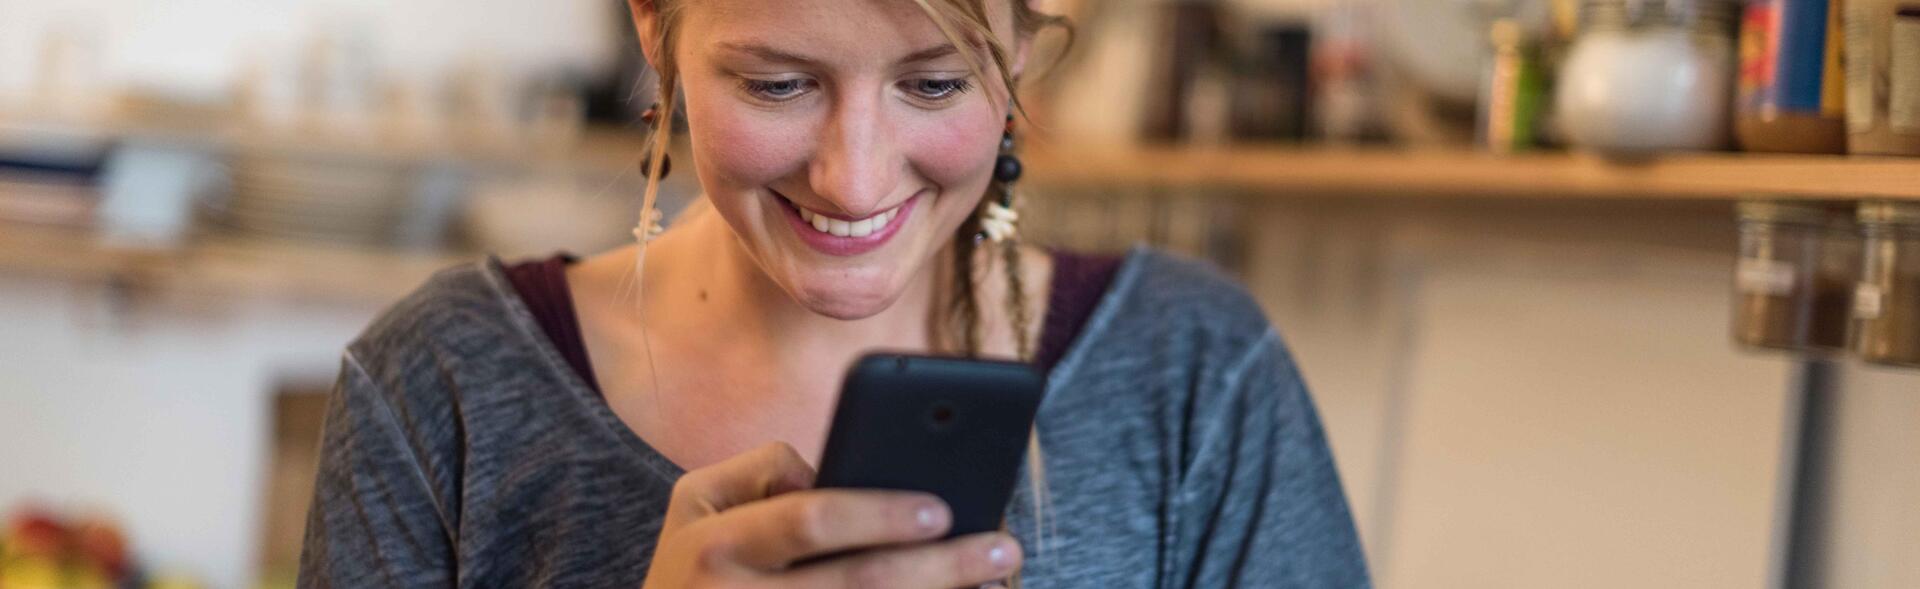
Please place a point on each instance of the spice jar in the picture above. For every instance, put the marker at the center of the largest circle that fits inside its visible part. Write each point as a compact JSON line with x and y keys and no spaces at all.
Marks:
{"x":1649,"y":75}
{"x":1883,"y":77}
{"x":1794,"y":284}
{"x":1887,"y":302}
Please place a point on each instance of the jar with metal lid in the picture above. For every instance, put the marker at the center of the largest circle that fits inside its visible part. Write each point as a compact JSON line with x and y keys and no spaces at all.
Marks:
{"x":1887,"y":300}
{"x":1794,"y":283}
{"x":1649,"y":75}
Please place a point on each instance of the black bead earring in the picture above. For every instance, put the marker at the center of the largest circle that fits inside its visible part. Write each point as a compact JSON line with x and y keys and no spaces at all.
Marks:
{"x":666,"y":160}
{"x":1006,"y":168}
{"x":997,"y":218}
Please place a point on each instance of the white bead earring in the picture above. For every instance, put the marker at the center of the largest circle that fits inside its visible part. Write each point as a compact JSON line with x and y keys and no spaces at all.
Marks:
{"x":649,"y":227}
{"x":650,"y":216}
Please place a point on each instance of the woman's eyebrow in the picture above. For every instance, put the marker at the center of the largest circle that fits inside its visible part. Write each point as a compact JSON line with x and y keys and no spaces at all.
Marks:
{"x":769,"y":53}
{"x":929,"y":54}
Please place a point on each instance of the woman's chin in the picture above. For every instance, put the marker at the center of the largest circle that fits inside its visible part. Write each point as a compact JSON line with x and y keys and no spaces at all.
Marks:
{"x":848,"y":302}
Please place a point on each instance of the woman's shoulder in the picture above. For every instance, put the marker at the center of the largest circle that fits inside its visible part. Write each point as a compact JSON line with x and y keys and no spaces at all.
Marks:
{"x":1171,"y":295}
{"x":459,"y":320}
{"x":453,"y":304}
{"x":1174,"y":320}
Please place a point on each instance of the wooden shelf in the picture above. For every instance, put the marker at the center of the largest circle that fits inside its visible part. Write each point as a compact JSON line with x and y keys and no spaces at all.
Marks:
{"x":591,"y":149}
{"x":374,"y":276}
{"x":224,"y":266}
{"x":230,"y":266}
{"x":1441,"y":173}
{"x":1306,"y":171}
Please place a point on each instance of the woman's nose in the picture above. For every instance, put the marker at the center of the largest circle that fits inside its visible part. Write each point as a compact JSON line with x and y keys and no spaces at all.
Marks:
{"x":856,"y":167}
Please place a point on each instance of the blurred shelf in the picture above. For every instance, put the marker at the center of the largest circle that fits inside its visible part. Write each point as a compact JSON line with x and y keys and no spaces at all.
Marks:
{"x":592,"y":149}
{"x":1275,"y":170}
{"x":68,"y":253}
{"x":375,"y":276}
{"x":224,"y":267}
{"x":220,"y":266}
{"x":312,"y":272}
{"x":1460,"y":173}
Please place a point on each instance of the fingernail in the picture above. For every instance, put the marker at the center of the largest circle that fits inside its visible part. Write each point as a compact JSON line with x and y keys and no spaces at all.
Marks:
{"x":1001,"y":554}
{"x":927,"y":517}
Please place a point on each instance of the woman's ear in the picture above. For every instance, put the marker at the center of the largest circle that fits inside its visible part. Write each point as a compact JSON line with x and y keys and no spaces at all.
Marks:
{"x":1022,"y":44}
{"x":646,"y":23}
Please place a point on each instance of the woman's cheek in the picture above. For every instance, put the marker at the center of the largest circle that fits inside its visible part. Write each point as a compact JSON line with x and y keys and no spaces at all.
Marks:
{"x":955,"y":152}
{"x":748,"y":147}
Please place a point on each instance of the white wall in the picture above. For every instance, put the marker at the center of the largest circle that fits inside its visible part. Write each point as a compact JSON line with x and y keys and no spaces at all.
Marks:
{"x":1872,"y":516}
{"x":1533,"y":395}
{"x":159,"y":417}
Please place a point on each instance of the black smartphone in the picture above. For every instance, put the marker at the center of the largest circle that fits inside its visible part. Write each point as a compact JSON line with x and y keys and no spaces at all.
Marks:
{"x":956,"y":428}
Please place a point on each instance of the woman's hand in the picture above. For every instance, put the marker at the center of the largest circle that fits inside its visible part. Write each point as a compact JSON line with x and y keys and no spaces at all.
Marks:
{"x":745,"y":521}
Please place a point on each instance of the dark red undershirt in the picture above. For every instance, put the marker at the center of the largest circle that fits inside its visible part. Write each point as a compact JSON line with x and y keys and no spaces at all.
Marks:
{"x":1078,"y":283}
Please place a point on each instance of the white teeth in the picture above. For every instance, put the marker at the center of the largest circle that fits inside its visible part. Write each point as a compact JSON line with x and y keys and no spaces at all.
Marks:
{"x":840,"y":228}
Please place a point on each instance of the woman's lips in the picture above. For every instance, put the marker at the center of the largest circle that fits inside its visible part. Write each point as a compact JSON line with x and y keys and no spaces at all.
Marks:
{"x":846,"y":237}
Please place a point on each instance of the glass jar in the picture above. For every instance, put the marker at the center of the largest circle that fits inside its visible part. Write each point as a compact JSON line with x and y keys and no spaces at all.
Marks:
{"x":1883,"y":77}
{"x":1649,"y":75}
{"x":1791,"y":96}
{"x":1794,"y":283}
{"x":1887,"y":301}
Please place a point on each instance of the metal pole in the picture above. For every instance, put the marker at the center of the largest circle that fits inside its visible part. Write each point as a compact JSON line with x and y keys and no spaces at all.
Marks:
{"x":1801,"y":527}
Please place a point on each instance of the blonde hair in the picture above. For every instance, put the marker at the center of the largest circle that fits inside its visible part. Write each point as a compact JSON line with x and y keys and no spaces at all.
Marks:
{"x":961,"y":329}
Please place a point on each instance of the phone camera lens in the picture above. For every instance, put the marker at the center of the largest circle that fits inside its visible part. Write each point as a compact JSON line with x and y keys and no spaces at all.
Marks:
{"x":942,"y":415}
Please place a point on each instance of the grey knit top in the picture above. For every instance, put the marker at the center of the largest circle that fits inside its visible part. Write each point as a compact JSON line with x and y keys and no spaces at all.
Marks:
{"x":1182,"y":450}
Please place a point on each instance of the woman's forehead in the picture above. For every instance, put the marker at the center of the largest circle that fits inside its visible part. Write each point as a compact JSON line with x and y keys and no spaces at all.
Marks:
{"x":824,"y":30}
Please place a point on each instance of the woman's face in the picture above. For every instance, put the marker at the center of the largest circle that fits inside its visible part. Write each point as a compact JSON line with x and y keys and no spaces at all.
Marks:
{"x":843,"y":141}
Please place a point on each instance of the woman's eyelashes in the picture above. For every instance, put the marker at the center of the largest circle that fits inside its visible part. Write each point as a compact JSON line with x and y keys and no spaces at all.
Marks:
{"x":776,"y":91}
{"x":939,"y":90}
{"x":928,"y":91}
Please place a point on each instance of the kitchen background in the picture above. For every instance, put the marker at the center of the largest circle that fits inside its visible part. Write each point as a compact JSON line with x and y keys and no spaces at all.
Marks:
{"x":1566,"y":325}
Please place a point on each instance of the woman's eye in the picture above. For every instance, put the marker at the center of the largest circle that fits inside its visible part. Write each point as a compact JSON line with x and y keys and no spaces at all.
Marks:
{"x":932,"y":89}
{"x":776,"y":90}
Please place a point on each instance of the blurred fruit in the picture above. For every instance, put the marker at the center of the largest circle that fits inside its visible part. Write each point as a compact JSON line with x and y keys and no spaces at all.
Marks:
{"x":38,"y":550}
{"x":174,"y":582}
{"x":35,"y":533}
{"x":30,"y":573}
{"x":98,"y":540}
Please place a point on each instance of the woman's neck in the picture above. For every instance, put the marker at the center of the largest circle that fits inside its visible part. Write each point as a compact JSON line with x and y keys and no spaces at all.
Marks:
{"x":708,"y":338}
{"x":704,"y":286}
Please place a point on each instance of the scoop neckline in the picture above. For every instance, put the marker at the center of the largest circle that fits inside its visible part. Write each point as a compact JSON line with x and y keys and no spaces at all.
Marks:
{"x":604,"y":416}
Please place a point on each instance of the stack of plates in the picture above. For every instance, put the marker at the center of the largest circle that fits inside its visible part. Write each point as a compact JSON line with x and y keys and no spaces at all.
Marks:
{"x":340,"y":200}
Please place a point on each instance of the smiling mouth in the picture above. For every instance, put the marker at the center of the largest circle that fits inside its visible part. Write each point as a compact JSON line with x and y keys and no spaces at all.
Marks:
{"x":839,"y":227}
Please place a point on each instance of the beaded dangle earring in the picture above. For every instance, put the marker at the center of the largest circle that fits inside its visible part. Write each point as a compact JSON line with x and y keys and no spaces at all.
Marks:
{"x":998,"y":218}
{"x":650,"y":215}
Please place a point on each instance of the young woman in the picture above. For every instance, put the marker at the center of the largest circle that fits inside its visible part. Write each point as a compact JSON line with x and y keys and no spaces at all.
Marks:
{"x":649,"y":416}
